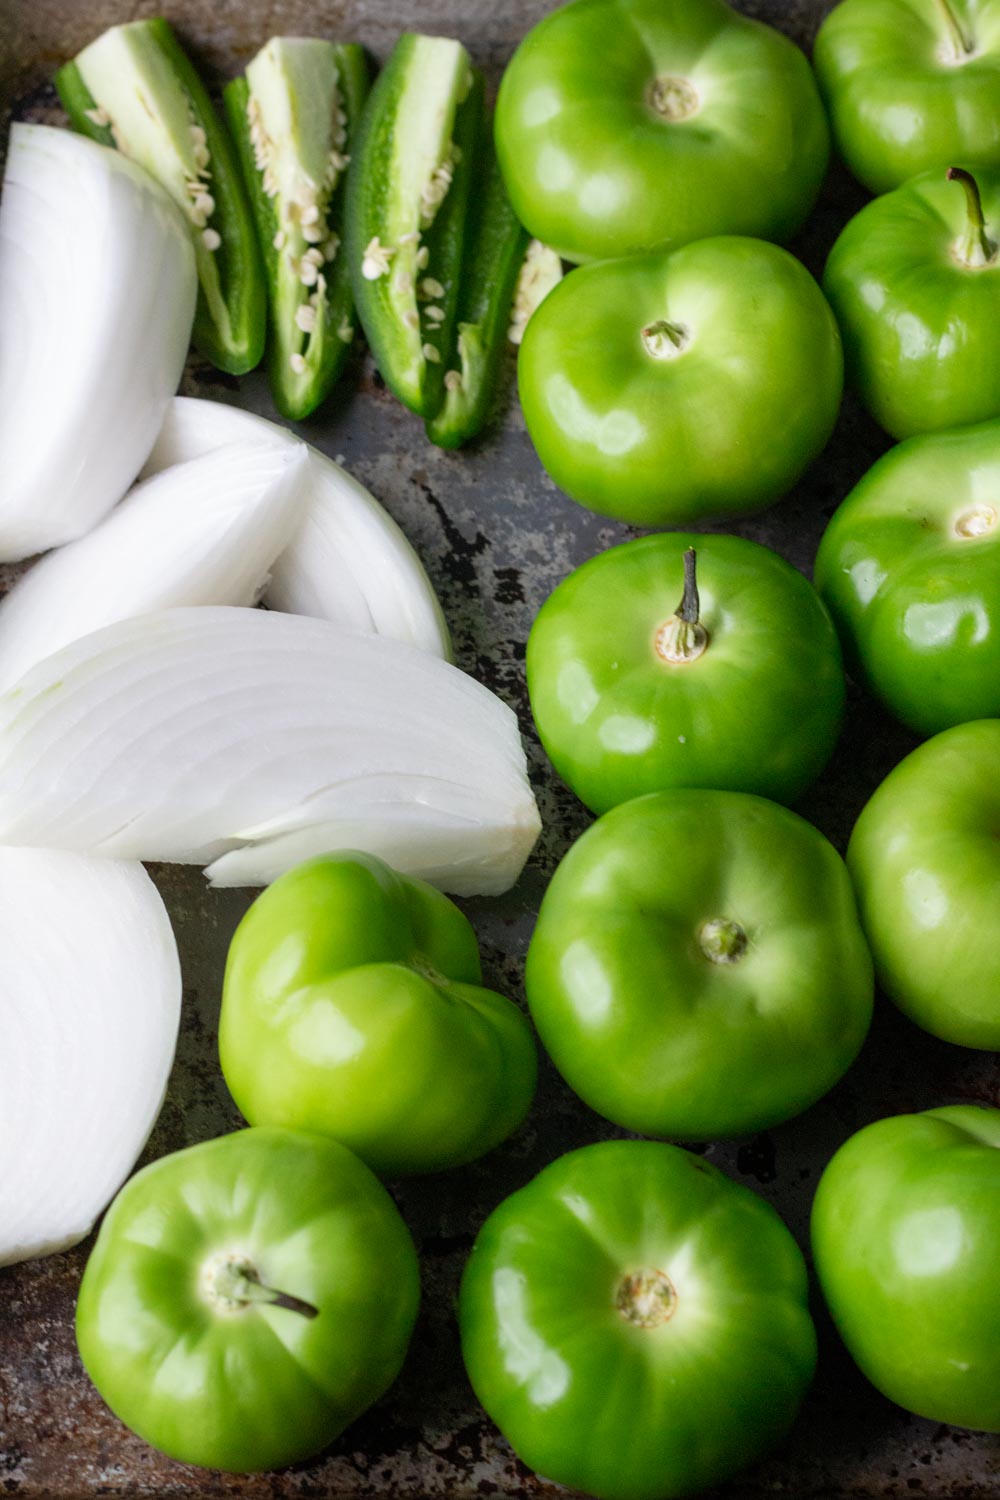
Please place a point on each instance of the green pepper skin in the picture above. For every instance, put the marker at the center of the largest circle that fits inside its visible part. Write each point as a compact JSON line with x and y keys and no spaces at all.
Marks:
{"x":759,"y":710}
{"x":721,"y":425}
{"x":598,"y":165}
{"x":909,"y":567}
{"x":698,"y":969}
{"x":494,"y":253}
{"x":906,"y":1241}
{"x":231,"y":320}
{"x":620,"y":1395}
{"x":906,"y":90}
{"x":353,"y":1006}
{"x":925,"y":862}
{"x":325,"y":351}
{"x":427,"y":100}
{"x":213,"y":1372}
{"x":919,"y":324}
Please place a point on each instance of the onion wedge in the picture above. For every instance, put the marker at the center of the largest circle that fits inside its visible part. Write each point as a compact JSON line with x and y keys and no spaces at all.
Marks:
{"x":248,"y":740}
{"x":204,"y":532}
{"x":97,"y":297}
{"x":349,"y":562}
{"x":89,"y":1010}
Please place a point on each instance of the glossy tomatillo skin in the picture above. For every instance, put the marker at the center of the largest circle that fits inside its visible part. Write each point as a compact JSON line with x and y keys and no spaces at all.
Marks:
{"x":698,"y":969}
{"x":906,"y":1241}
{"x":247,"y":1299}
{"x":635,"y":1323}
{"x":911,"y":85}
{"x":917,"y":297}
{"x":756,"y":709}
{"x":910,"y":569}
{"x":682,"y":385}
{"x":353,"y":1006}
{"x":925,"y":859}
{"x":623,"y":125}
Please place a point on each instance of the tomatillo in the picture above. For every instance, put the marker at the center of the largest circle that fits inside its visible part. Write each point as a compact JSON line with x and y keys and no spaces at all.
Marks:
{"x":635,"y":1323}
{"x":698,"y":969}
{"x":684,"y":384}
{"x":647,"y":671}
{"x":626,"y":124}
{"x":906,"y":1240}
{"x":915,"y":282}
{"x":247,"y":1299}
{"x":353,"y":1006}
{"x":925,"y":858}
{"x":910,"y":569}
{"x":911,"y":84}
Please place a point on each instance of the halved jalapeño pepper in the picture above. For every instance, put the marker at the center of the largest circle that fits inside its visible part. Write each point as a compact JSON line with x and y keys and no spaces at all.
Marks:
{"x":135,"y":88}
{"x":294,"y":116}
{"x":407,"y":195}
{"x":495,"y":246}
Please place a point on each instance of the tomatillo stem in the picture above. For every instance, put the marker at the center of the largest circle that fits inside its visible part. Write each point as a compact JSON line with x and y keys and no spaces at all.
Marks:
{"x":683,"y":638}
{"x":237,"y":1283}
{"x":976,"y":248}
{"x":961,"y":43}
{"x":664,"y":340}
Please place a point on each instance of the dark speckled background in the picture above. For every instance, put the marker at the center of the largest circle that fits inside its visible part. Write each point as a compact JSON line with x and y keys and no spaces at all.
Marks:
{"x":496,"y":536}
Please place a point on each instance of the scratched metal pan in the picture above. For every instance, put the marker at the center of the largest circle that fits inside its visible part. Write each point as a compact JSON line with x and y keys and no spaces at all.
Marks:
{"x":496,"y":537}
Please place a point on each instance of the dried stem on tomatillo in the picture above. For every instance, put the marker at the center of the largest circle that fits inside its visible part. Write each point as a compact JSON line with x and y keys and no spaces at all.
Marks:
{"x":683,"y":638}
{"x":975,"y":247}
{"x":962,"y":44}
{"x":235,"y":1283}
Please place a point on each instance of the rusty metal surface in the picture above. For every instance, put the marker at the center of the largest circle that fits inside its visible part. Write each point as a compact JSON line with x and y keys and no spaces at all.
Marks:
{"x":496,"y":536}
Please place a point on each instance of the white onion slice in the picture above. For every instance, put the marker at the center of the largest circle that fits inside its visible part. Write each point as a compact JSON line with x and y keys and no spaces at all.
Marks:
{"x":204,"y":532}
{"x":349,"y":562}
{"x":248,"y":740}
{"x":90,"y":1003}
{"x":97,"y":297}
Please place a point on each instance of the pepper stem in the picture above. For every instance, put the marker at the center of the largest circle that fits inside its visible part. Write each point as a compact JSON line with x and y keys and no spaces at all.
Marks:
{"x":962,"y":44}
{"x":683,"y":638}
{"x":236,"y":1283}
{"x":975,"y":248}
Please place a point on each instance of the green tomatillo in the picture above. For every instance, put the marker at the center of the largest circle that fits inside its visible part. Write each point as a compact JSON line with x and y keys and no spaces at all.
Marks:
{"x":925,"y":859}
{"x":353,"y":1006}
{"x":698,"y":969}
{"x":681,"y":660}
{"x":247,"y":1299}
{"x":682,"y":385}
{"x":911,"y":85}
{"x":906,"y":1241}
{"x":635,"y":1323}
{"x":623,"y":125}
{"x":910,"y":569}
{"x":914,"y":280}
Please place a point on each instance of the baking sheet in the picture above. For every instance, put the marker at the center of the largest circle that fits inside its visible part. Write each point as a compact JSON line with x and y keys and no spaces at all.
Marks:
{"x":496,"y":537}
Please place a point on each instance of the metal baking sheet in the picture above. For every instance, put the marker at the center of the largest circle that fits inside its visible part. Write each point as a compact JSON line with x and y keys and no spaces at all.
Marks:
{"x":496,"y":536}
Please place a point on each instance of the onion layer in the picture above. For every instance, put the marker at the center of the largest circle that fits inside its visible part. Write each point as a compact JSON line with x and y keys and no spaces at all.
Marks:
{"x":204,"y":532}
{"x":349,"y":562}
{"x":89,"y":1011}
{"x":97,"y":297}
{"x":249,"y":740}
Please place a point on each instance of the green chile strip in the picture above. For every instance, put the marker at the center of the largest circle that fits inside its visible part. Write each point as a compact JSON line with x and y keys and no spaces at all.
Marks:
{"x":495,"y":244}
{"x":319,"y":356}
{"x":230,"y":322}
